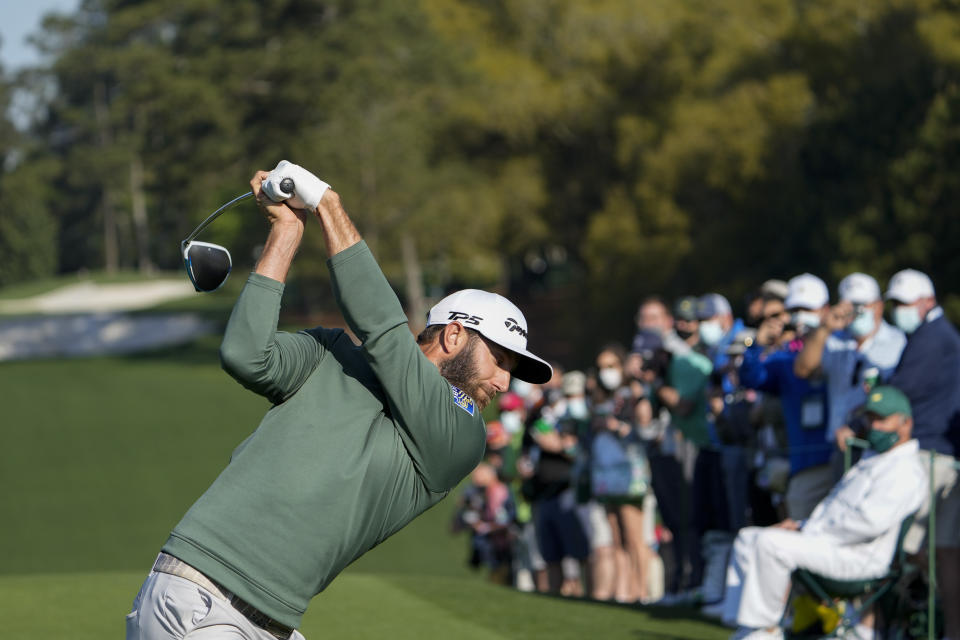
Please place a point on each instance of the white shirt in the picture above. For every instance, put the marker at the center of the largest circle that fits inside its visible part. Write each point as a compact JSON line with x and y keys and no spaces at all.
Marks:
{"x":869,"y":503}
{"x":845,"y":364}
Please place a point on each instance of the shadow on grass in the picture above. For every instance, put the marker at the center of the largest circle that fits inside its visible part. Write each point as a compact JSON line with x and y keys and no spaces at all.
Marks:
{"x":659,"y":612}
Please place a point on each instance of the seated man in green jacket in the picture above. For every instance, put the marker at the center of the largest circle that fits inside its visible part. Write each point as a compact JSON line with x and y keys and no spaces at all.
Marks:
{"x":359,"y":440}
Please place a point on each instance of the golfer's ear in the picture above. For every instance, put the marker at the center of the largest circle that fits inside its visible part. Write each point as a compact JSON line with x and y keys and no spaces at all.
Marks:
{"x":453,"y":337}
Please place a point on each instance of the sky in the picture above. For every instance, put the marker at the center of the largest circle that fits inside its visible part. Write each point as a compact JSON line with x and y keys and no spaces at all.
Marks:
{"x":20,"y":19}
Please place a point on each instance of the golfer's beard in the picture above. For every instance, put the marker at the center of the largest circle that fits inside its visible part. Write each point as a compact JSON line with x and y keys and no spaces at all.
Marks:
{"x":461,"y":372}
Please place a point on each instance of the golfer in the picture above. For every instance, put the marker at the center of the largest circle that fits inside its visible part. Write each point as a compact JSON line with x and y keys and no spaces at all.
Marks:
{"x":359,"y":440}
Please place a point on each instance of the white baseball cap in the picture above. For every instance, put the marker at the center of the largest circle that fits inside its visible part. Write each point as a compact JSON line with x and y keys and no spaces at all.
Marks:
{"x":859,"y":288}
{"x":806,"y":291}
{"x":908,"y":286}
{"x":498,"y":320}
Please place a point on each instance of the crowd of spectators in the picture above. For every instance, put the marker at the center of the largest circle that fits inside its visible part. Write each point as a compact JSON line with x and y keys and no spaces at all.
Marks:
{"x":630,"y":481}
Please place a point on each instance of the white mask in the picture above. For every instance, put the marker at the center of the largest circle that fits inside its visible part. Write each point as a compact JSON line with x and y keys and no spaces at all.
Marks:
{"x":610,"y":378}
{"x":863,"y":324}
{"x":711,"y":332}
{"x":577,"y":408}
{"x":511,"y":421}
{"x":806,"y":320}
{"x":907,"y":318}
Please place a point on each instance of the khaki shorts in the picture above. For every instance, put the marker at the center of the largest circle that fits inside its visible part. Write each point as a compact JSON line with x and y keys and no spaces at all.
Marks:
{"x":947,"y":515}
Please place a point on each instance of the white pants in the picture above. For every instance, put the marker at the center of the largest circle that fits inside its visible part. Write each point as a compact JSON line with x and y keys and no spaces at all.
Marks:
{"x":758,"y":575}
{"x":169,"y":607}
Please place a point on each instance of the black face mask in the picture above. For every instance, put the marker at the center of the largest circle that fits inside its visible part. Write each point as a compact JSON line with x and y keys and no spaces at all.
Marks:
{"x":684,"y":333}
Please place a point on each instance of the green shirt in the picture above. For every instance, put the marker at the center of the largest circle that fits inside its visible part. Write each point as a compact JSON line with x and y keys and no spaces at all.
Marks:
{"x":689,"y":373}
{"x":359,"y":441}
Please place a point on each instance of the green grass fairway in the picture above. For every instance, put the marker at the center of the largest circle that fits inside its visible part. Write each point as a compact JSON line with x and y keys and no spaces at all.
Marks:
{"x":91,"y":606}
{"x":101,"y":457}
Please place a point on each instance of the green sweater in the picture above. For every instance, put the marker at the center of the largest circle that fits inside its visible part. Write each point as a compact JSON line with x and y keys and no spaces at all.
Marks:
{"x":359,"y":441}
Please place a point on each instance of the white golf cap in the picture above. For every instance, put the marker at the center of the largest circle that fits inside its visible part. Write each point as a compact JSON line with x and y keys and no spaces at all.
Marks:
{"x":859,"y":288}
{"x":499,"y":321}
{"x":806,"y":291}
{"x":909,"y":285}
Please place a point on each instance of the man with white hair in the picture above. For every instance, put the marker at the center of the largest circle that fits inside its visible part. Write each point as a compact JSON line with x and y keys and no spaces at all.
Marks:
{"x":804,"y":401}
{"x":854,"y":349}
{"x":929,"y":374}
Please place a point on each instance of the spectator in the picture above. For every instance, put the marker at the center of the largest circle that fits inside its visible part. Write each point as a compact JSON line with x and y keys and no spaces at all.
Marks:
{"x":769,"y":290}
{"x":592,"y":515}
{"x":686,"y":322}
{"x":649,"y":363}
{"x":560,"y":537}
{"x":619,"y":474}
{"x":731,"y":431}
{"x":774,"y":289}
{"x":683,"y":394}
{"x":486,"y":508}
{"x":729,"y":407}
{"x":654,"y":315}
{"x":929,"y":374}
{"x":717,"y":326}
{"x":853,"y":349}
{"x":851,"y":535}
{"x":769,"y":368}
{"x":529,"y":568}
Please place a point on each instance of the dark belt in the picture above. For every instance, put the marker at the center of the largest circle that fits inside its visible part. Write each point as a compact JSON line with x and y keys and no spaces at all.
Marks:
{"x":174,"y":566}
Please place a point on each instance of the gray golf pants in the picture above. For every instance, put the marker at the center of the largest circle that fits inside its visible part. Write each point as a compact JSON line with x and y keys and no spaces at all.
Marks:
{"x":173,"y":608}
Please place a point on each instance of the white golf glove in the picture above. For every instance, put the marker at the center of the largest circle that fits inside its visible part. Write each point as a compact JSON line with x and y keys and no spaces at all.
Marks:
{"x":307,"y":191}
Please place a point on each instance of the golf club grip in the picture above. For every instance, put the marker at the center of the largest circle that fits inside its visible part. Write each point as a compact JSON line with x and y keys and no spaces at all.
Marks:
{"x":287,"y":185}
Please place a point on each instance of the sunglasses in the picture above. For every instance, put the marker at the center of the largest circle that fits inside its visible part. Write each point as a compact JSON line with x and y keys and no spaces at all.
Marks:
{"x":208,"y":265}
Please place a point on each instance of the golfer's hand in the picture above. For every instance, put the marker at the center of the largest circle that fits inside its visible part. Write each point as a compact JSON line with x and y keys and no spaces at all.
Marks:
{"x":308,"y":189}
{"x":275,"y":212}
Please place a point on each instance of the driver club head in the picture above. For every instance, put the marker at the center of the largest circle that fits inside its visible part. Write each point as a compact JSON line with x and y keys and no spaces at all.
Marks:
{"x":208,"y":265}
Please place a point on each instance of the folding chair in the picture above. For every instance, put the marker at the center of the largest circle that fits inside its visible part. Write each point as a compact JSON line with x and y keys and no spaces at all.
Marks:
{"x":870,"y":591}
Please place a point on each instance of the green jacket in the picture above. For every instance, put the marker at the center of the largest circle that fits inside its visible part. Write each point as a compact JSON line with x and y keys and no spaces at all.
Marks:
{"x":359,"y":441}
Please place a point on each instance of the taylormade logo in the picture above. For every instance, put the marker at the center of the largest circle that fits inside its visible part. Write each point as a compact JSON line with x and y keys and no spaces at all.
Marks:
{"x":512,"y":325}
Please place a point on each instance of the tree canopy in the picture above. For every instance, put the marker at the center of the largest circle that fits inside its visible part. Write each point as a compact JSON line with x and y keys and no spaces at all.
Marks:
{"x":579,"y":155}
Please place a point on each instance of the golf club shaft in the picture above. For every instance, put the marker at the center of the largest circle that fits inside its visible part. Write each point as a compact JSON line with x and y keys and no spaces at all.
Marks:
{"x":213,"y":216}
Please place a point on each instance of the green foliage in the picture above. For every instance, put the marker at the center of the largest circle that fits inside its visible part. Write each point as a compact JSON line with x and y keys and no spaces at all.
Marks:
{"x":28,"y":231}
{"x":670,"y":147}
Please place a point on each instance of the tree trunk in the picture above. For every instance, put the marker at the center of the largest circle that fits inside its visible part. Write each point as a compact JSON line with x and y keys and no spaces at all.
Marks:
{"x":138,"y":212}
{"x":413,"y":274}
{"x":111,"y":249}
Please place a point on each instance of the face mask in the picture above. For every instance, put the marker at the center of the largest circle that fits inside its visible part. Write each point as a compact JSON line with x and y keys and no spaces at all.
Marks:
{"x":882,"y":441}
{"x":577,"y":408}
{"x":863,"y":324}
{"x":806,"y":320}
{"x":610,"y":378}
{"x":511,"y":421}
{"x":711,"y":333}
{"x":907,"y":318}
{"x":521,"y":388}
{"x":684,"y":333}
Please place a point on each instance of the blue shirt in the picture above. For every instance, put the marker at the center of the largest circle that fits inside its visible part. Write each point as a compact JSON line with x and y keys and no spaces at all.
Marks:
{"x":929,"y":375}
{"x":804,"y":403}
{"x":845,"y":365}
